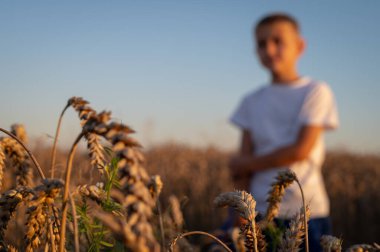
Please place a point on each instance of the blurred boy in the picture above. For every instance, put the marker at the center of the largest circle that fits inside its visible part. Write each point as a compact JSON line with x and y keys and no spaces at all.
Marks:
{"x":282,"y":127}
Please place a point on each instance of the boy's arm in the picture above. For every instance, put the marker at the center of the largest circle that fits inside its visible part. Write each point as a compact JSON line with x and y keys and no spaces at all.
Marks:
{"x":245,"y":164}
{"x":246,"y":149}
{"x":246,"y":146}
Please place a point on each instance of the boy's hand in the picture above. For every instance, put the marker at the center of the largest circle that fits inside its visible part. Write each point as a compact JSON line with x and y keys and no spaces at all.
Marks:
{"x":240,"y":166}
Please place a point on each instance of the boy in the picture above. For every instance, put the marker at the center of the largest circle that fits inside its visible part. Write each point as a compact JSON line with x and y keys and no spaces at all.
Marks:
{"x":282,"y":127}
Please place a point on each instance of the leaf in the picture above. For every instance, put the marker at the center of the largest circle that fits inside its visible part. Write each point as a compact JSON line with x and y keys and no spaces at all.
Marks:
{"x":106,"y":244}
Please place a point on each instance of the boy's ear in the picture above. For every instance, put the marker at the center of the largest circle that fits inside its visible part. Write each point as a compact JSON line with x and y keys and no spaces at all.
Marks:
{"x":301,"y":45}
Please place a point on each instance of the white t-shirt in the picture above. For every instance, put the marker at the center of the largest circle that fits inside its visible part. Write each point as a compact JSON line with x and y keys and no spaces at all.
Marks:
{"x":274,"y":115}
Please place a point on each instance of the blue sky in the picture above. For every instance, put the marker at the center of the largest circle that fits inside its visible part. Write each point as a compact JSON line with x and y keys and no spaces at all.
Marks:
{"x":175,"y":70}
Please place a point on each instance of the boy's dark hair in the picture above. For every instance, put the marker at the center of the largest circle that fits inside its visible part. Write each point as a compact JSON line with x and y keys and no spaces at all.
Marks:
{"x":277,"y":17}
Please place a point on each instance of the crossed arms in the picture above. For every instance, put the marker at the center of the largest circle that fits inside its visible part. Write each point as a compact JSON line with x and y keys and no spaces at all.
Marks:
{"x":245,"y":163}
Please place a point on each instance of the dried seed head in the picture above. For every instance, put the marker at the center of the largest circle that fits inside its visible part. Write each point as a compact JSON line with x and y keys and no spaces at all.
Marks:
{"x":155,"y":186}
{"x":283,"y":180}
{"x":136,"y":241}
{"x":19,"y":159}
{"x":294,"y":234}
{"x":39,"y":213}
{"x":93,"y":192}
{"x":241,"y":201}
{"x":96,"y":151}
{"x":364,"y":248}
{"x":175,"y":212}
{"x":244,"y":204}
{"x":93,"y":142}
{"x":19,"y":131}
{"x":81,"y":106}
{"x":331,"y":244}
{"x":8,"y":203}
{"x":134,"y":194}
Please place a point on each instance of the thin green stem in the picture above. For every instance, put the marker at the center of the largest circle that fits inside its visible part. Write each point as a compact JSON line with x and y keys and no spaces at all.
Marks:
{"x":54,"y":150}
{"x":27,"y":151}
{"x":198,"y":233}
{"x":66,"y":192}
{"x":304,"y":217}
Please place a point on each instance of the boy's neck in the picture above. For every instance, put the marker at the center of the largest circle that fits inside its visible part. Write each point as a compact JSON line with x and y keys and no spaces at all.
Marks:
{"x":285,"y":78}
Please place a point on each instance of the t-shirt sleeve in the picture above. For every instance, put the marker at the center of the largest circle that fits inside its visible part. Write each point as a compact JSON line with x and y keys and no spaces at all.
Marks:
{"x":240,"y":117}
{"x":319,"y":108}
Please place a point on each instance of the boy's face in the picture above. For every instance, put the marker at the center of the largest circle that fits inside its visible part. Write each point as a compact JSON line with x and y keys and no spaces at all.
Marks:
{"x":278,"y":46}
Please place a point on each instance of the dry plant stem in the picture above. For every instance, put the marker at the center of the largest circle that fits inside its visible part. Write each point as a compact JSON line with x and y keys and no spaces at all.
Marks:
{"x":27,"y":151}
{"x":304,"y":217}
{"x":199,"y":233}
{"x":52,"y":243}
{"x":66,"y":192}
{"x":53,"y":153}
{"x":75,"y":223}
{"x":161,"y":224}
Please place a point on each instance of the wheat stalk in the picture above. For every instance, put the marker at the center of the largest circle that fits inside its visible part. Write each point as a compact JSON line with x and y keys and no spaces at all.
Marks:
{"x":331,"y":244}
{"x":75,"y":223}
{"x":57,"y":131}
{"x":244,"y":204}
{"x":66,"y":192}
{"x":261,"y":243}
{"x":237,"y":239}
{"x":2,"y":163}
{"x":180,"y":236}
{"x":293,"y":235}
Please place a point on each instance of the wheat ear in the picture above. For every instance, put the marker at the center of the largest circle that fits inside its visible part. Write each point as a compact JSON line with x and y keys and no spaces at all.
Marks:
{"x":244,"y":204}
{"x":331,"y":244}
{"x":93,"y":141}
{"x":364,"y":248}
{"x":8,"y":203}
{"x":135,"y":192}
{"x":39,"y":214}
{"x":24,"y":173}
{"x":41,"y":173}
{"x":283,"y":180}
{"x":92,"y":192}
{"x":293,"y":235}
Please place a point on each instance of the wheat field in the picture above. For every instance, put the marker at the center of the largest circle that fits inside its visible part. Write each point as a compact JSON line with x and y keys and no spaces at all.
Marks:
{"x":118,"y":196}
